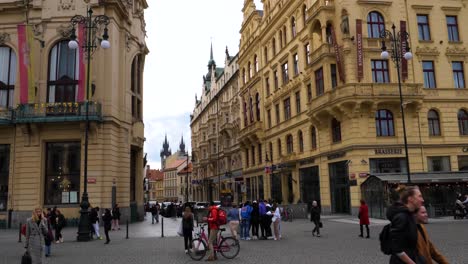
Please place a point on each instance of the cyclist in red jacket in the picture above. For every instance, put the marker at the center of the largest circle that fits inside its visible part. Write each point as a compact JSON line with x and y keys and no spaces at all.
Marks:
{"x":214,"y":227}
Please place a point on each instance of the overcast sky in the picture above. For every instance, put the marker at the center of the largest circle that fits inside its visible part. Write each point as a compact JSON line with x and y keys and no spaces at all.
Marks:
{"x":179,"y":36}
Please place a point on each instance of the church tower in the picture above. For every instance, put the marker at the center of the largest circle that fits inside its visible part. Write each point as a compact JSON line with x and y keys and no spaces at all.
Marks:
{"x":165,"y":152}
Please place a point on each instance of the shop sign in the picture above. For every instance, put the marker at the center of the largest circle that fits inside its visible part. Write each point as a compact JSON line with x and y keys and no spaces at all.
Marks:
{"x":91,"y":180}
{"x":388,"y":151}
{"x":360,"y":54}
{"x":352,"y":175}
{"x":306,"y":161}
{"x":363,"y":174}
{"x":336,"y":155}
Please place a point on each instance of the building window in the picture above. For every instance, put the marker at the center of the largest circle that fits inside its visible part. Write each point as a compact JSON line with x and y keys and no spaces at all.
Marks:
{"x":423,"y":27}
{"x":213,"y":128}
{"x":298,"y":102}
{"x":245,"y":114}
{"x":433,"y":122}
{"x":249,"y":70}
{"x":251,"y":109}
{"x":63,"y":74}
{"x":296,"y":64}
{"x":307,"y":53}
{"x":336,"y":130}
{"x":304,"y":14}
{"x":281,"y":38}
{"x":293,"y":27}
{"x":384,"y":123}
{"x":137,"y":84}
{"x":313,"y":134}
{"x":284,"y":70}
{"x":334,"y":80}
{"x":63,"y":162}
{"x":256,"y":63}
{"x":452,"y":28}
{"x":319,"y":85}
{"x":265,"y":53}
{"x":269,"y":118}
{"x":285,"y":38}
{"x":259,"y":148}
{"x":253,"y":156}
{"x":277,"y":112}
{"x":388,"y":165}
{"x":463,"y":122}
{"x":287,"y":108}
{"x":4,"y":175}
{"x":289,"y":144}
{"x":309,"y":92}
{"x":273,"y":46}
{"x":458,"y":74}
{"x":275,"y":76}
{"x":375,"y":24}
{"x":7,"y":76}
{"x":463,"y":163}
{"x":429,"y":74}
{"x":271,"y":152}
{"x":380,"y":71}
{"x":257,"y":106}
{"x":247,"y":158}
{"x":267,"y":85}
{"x":301,"y":141}
{"x":279,"y":147}
{"x":244,"y":78}
{"x":438,"y":163}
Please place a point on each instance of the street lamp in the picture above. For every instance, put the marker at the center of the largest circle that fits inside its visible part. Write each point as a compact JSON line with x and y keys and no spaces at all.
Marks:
{"x":89,"y":46}
{"x":186,"y":178}
{"x":396,"y":41}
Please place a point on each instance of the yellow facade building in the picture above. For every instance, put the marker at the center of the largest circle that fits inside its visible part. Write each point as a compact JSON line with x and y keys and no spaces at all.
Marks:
{"x":42,"y":138}
{"x":320,"y":108}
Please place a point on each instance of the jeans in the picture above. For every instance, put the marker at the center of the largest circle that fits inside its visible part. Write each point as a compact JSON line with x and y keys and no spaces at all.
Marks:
{"x":47,"y":250}
{"x":245,"y":225}
{"x":154,"y":217}
{"x":96,"y":229}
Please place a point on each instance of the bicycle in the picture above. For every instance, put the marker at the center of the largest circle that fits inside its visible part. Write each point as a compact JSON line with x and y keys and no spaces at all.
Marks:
{"x":229,"y":247}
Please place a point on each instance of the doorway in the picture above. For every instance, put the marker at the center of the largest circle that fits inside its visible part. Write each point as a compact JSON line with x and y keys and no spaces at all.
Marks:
{"x":339,"y":187}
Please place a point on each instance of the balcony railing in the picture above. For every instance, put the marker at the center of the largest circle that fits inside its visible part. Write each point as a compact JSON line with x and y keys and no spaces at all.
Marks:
{"x":320,"y":5}
{"x":57,"y":112}
{"x":5,"y":116}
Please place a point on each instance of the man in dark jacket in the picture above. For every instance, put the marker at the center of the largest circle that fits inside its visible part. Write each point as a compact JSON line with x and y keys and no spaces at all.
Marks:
{"x":403,"y":230}
{"x":263,"y":216}
{"x":315,"y":218}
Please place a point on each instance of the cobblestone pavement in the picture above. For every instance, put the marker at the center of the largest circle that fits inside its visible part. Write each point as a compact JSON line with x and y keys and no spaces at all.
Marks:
{"x":339,"y":244}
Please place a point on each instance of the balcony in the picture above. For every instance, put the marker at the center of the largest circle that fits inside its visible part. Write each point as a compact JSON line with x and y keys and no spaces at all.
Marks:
{"x":325,"y":50}
{"x":253,"y":132}
{"x":5,"y":116}
{"x":319,"y":5}
{"x":57,"y":112}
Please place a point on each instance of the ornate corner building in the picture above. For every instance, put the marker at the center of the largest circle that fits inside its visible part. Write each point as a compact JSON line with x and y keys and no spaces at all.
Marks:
{"x":320,"y":109}
{"x":42,"y":138}
{"x":217,"y":164}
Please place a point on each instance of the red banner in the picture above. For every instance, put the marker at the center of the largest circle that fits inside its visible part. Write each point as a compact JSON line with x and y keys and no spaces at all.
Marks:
{"x":25,"y":41}
{"x":81,"y":63}
{"x":404,"y":63}
{"x":360,"y":55}
{"x":339,"y":61}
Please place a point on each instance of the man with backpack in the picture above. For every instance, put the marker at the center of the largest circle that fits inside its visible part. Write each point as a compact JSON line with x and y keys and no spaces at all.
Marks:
{"x":213,"y":225}
{"x":399,"y":238}
{"x":246,"y":212}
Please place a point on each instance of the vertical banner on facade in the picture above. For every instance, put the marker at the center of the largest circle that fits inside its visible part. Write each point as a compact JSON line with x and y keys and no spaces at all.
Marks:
{"x":360,"y":55}
{"x":339,"y":60}
{"x":25,"y":41}
{"x":81,"y":64}
{"x":403,"y":43}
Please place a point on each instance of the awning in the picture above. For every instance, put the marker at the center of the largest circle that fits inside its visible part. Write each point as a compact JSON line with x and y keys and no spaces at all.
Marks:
{"x":424,"y":177}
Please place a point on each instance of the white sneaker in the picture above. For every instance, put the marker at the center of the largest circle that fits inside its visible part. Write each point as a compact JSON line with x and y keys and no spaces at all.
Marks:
{"x":61,"y":240}
{"x":186,"y":251}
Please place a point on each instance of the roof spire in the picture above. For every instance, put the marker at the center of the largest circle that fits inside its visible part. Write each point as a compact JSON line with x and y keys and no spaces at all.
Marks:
{"x":211,"y":62}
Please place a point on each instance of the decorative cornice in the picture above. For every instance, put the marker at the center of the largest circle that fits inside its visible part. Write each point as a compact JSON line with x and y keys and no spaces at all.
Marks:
{"x":427,"y":51}
{"x":65,"y":30}
{"x":456,"y":51}
{"x":4,"y":38}
{"x":451,"y":8}
{"x":422,"y":7}
{"x":374,"y":2}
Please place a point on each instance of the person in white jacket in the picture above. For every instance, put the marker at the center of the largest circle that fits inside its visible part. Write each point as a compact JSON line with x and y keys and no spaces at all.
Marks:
{"x":276,"y":220}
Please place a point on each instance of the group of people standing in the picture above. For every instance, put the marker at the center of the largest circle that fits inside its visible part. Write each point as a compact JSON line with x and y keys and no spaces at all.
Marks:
{"x":110,"y":219}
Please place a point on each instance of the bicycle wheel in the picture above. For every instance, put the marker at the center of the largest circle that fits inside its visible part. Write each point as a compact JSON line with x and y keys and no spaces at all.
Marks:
{"x":229,"y":247}
{"x":198,"y":250}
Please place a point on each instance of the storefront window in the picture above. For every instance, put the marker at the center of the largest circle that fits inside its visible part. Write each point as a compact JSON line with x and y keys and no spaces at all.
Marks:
{"x":261,"y":192}
{"x":438,"y":163}
{"x":389,"y":165}
{"x":62,"y":173}
{"x":463,"y":163}
{"x":4,"y":173}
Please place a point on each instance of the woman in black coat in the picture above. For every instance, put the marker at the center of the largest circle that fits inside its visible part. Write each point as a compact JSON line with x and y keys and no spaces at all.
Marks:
{"x":107,"y":219}
{"x":315,"y":218}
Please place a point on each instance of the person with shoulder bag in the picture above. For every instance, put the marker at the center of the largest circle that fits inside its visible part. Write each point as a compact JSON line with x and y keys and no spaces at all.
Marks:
{"x":36,"y":229}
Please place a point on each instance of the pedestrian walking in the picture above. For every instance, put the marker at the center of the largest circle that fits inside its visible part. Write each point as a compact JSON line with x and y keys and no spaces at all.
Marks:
{"x":214,"y":227}
{"x":364,"y":218}
{"x":255,"y":219}
{"x":424,"y":246}
{"x":60,"y":224}
{"x":246,"y":212}
{"x":36,"y":229}
{"x":187,"y":228}
{"x":315,"y":218}
{"x":233,"y":220}
{"x":49,"y":238}
{"x":403,"y":229}
{"x":276,"y":221}
{"x":263,"y":218}
{"x":154,"y":214}
{"x":107,"y":219}
{"x":94,"y":219}
{"x":116,"y":217}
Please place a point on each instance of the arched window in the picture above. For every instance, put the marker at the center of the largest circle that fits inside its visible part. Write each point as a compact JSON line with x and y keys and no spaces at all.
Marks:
{"x":336,"y":130}
{"x":375,"y":24}
{"x":257,"y":106}
{"x":273,"y":46}
{"x":63,"y":73}
{"x":245,"y":114}
{"x":7,"y":76}
{"x":463,"y":122}
{"x":433,"y":123}
{"x":313,"y":134}
{"x":293,"y":27}
{"x":289,"y":144}
{"x":281,"y":38}
{"x":244,"y":78}
{"x":285,"y":38}
{"x":251,"y":110}
{"x":265,"y":51}
{"x":304,"y":14}
{"x":136,"y":87}
{"x":384,"y":123}
{"x":279,"y":147}
{"x":249,"y":69}
{"x":271,"y":152}
{"x":301,"y":141}
{"x":256,"y":63}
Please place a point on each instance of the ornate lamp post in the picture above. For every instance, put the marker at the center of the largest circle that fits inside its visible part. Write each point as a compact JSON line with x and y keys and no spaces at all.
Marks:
{"x":397,"y":40}
{"x":92,"y":25}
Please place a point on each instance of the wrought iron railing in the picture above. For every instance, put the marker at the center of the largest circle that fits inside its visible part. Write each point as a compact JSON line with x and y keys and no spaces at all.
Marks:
{"x":5,"y":116}
{"x":57,"y":112}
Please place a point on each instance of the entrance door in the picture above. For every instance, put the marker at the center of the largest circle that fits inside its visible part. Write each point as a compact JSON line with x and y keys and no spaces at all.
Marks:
{"x":339,"y":187}
{"x":276,"y":192}
{"x":4,"y":175}
{"x":310,"y":184}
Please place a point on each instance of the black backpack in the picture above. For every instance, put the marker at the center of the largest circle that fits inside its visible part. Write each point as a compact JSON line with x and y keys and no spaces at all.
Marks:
{"x":386,"y":240}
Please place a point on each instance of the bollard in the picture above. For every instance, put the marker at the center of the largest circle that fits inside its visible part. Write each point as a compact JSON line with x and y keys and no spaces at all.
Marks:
{"x":127,"y":230}
{"x":19,"y":232}
{"x":162,"y":226}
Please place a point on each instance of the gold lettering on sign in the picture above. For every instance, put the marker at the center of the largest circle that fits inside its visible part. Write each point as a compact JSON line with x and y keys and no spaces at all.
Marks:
{"x":390,"y":151}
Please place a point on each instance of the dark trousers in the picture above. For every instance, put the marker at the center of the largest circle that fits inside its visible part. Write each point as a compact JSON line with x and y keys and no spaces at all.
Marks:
{"x":58,"y":233}
{"x":317,"y":227}
{"x":187,"y":238}
{"x":367,"y":229}
{"x":262,"y":225}
{"x":268,"y":226}
{"x":254,"y":221}
{"x":106,"y":231}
